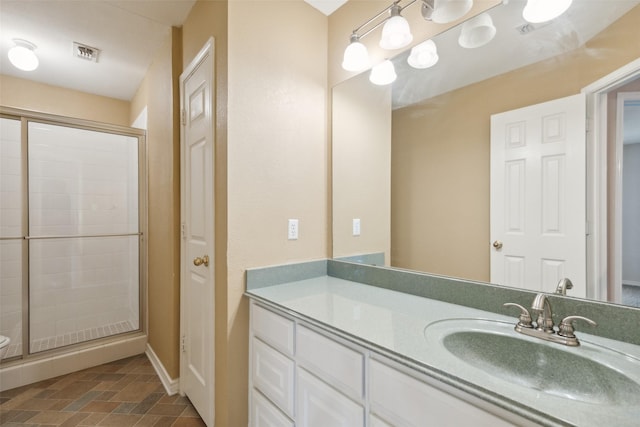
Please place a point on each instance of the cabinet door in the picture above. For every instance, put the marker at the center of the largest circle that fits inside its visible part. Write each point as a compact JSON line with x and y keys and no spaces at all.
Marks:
{"x":409,"y":402}
{"x":265,"y":414}
{"x":319,"y":405}
{"x":273,"y":374}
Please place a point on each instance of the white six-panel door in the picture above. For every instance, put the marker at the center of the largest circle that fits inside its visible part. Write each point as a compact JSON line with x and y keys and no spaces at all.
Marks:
{"x":197,"y":284}
{"x":538,"y":190}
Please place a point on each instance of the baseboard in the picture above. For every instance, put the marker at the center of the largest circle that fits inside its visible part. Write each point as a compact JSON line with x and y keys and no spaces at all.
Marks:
{"x":23,"y":372}
{"x":630,"y":283}
{"x":170,"y":385}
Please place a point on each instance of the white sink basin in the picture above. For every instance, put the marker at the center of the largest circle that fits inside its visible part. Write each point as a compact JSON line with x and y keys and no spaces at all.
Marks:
{"x":589,"y":373}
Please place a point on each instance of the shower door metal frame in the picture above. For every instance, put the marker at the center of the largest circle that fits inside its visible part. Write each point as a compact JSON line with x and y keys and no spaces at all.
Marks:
{"x":25,"y":117}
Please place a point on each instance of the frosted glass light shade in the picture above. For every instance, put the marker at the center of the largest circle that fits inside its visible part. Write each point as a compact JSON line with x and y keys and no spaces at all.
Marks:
{"x":445,"y":11}
{"x":477,"y":31}
{"x":383,"y":73}
{"x":395,"y":33}
{"x":424,"y":55}
{"x":537,"y":11}
{"x":22,"y":55}
{"x":356,"y":57}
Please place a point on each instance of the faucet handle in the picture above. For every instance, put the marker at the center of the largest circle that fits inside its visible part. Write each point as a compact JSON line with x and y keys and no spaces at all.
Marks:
{"x":566,"y":328}
{"x":524,"y":320}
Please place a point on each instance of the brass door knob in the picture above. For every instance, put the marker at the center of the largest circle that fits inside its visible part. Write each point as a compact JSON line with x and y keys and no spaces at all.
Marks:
{"x":197,"y":261}
{"x":497,"y":244}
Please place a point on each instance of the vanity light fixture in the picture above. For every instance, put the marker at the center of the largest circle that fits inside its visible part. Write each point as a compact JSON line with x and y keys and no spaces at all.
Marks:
{"x":423,"y":55}
{"x":356,"y":56}
{"x":383,"y":73}
{"x":22,"y":55}
{"x":477,"y":32}
{"x":537,"y":11}
{"x":445,"y":11}
{"x":396,"y":33}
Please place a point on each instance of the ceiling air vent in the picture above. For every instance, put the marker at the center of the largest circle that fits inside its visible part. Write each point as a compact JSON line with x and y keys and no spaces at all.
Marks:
{"x":85,"y":52}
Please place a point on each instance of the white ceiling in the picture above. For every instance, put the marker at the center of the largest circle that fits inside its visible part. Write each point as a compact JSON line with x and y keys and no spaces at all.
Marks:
{"x":508,"y":50}
{"x":128,"y":33}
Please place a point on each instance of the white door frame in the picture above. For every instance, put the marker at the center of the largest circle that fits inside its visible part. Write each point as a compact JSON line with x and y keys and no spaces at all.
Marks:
{"x":206,"y":51}
{"x":598,"y":274}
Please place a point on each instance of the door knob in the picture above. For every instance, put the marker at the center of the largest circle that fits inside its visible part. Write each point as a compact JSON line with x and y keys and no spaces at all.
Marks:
{"x":197,"y":261}
{"x":497,"y":244}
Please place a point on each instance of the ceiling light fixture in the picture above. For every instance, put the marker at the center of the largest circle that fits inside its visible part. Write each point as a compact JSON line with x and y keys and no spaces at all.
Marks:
{"x":22,"y":55}
{"x":424,"y":55}
{"x":537,"y":11}
{"x":396,"y":33}
{"x":383,"y":73}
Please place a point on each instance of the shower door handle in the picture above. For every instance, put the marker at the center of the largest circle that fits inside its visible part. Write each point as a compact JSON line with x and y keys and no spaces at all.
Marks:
{"x":197,"y":261}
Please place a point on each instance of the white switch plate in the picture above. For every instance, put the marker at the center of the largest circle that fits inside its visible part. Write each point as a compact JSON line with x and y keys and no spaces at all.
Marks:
{"x":292,"y":233}
{"x":356,"y":226}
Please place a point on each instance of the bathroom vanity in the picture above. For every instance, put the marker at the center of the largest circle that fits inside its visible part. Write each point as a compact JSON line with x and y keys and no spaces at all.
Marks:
{"x":327,"y":350}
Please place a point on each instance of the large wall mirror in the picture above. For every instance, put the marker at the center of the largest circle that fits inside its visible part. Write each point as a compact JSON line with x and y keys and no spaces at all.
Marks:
{"x":412,"y":160}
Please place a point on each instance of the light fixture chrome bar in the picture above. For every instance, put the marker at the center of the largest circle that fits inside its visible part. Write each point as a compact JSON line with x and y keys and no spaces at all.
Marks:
{"x":81,"y":236}
{"x":385,"y":10}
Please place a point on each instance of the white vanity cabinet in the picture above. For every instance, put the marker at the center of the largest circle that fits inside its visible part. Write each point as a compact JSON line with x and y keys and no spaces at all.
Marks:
{"x":305,"y":376}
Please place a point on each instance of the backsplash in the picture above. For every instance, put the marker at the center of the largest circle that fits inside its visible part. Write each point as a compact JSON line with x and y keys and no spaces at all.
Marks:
{"x":614,"y":321}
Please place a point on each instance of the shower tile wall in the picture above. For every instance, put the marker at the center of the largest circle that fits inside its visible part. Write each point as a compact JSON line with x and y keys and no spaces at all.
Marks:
{"x":82,"y":285}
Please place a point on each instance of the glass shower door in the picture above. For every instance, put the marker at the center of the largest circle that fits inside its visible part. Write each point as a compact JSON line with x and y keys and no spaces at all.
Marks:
{"x":83,"y":235}
{"x":11,"y":241}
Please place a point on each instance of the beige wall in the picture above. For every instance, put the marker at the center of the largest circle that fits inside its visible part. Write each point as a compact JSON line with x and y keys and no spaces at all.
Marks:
{"x":277,"y":155}
{"x":29,"y":95}
{"x":159,"y":93}
{"x":361,"y":165}
{"x":446,"y":141}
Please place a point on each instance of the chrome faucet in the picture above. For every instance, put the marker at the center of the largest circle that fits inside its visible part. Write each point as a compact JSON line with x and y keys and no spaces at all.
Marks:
{"x":542,"y":307}
{"x":563,"y":285}
{"x":543,"y":326}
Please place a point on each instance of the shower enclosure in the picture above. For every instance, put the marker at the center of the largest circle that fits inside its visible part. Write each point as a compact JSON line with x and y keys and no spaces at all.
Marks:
{"x":71,"y":251}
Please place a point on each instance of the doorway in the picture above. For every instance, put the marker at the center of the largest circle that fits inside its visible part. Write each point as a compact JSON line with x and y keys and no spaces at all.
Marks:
{"x":605,"y":182}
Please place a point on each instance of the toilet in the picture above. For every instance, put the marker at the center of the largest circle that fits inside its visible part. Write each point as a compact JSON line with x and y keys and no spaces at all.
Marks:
{"x":4,"y":345}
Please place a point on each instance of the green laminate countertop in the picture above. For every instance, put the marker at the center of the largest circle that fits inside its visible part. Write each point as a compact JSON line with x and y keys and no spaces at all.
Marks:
{"x":393,"y":323}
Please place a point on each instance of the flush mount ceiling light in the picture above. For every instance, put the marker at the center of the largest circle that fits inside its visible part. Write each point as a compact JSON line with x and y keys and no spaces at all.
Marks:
{"x":424,"y":55}
{"x":537,"y":11}
{"x":477,"y":31}
{"x":383,"y":73}
{"x":22,"y":55}
{"x":445,"y":11}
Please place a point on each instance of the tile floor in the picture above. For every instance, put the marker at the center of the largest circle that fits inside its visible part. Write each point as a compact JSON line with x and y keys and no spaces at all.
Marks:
{"x":122,"y":393}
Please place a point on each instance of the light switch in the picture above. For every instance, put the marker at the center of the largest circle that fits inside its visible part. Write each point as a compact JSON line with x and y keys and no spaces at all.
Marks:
{"x":292,"y":232}
{"x":356,"y":226}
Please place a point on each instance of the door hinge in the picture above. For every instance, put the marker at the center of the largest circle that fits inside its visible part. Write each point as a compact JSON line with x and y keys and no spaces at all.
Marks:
{"x":183,"y":116}
{"x":183,"y":343}
{"x":183,"y":230}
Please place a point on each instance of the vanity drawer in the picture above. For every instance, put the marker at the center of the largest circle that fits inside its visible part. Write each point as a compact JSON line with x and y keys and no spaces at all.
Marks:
{"x":408,"y":402}
{"x":272,"y":328}
{"x":335,"y":363}
{"x":273,"y":374}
